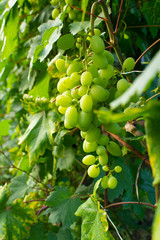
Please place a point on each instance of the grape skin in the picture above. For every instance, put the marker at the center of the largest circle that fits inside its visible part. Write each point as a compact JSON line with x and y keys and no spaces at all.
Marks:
{"x":89,"y":159}
{"x":93,"y":171}
{"x":112,"y":182}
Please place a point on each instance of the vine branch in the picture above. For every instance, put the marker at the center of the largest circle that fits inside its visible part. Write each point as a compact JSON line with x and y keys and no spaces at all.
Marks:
{"x":139,"y":203}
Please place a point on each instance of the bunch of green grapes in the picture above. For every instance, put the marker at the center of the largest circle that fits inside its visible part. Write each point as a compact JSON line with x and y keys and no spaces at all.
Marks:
{"x":82,"y":90}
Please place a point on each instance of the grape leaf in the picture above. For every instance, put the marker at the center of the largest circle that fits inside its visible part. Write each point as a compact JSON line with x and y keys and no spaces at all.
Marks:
{"x":63,"y":206}
{"x":156,"y":224}
{"x":141,"y":82}
{"x":4,"y":127}
{"x":38,"y":135}
{"x":64,"y":234}
{"x":94,"y":223}
{"x":66,"y":161}
{"x":37,"y":232}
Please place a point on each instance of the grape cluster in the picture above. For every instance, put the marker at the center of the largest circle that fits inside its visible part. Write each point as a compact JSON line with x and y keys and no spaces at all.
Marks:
{"x":83,"y":89}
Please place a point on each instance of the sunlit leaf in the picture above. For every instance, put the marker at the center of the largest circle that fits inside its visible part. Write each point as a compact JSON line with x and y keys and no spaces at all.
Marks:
{"x":156,"y":224}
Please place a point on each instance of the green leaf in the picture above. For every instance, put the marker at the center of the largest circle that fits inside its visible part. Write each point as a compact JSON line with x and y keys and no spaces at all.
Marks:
{"x":76,"y":27}
{"x":4,"y":195}
{"x":64,"y":234}
{"x":37,"y":232}
{"x":141,"y":83}
{"x":66,"y":161}
{"x":66,"y":41}
{"x":38,"y":135}
{"x":63,"y":206}
{"x":4,"y":127}
{"x":156,"y":224}
{"x":94,"y":222}
{"x":18,"y":187}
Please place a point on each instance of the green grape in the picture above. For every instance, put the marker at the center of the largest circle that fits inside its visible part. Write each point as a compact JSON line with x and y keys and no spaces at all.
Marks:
{"x":67,"y":93}
{"x":62,"y":110}
{"x":71,"y":116}
{"x":107,"y":73}
{"x":83,"y":134}
{"x":97,"y":44}
{"x":100,"y":60}
{"x":68,"y":1}
{"x":82,"y":90}
{"x":105,"y":168}
{"x":89,"y":160}
{"x":103,"y":140}
{"x":63,"y":101}
{"x":109,"y":57}
{"x":68,"y":83}
{"x":104,"y":182}
{"x":60,"y":86}
{"x":98,"y":93}
{"x":103,"y":159}
{"x":100,"y":150}
{"x":74,"y":67}
{"x":93,"y":171}
{"x":54,"y":2}
{"x":84,"y":120}
{"x":92,"y":134}
{"x":117,"y":94}
{"x":97,"y":32}
{"x":66,"y":8}
{"x":113,"y":128}
{"x":74,"y":93}
{"x":89,"y":146}
{"x":128,"y":64}
{"x":86,"y":103}
{"x":93,"y":70}
{"x":118,"y":169}
{"x":55,"y":13}
{"x":114,"y":149}
{"x":75,"y":78}
{"x":72,"y":15}
{"x":66,"y":125}
{"x":60,"y":65}
{"x":122,"y":85}
{"x":112,"y":182}
{"x":86,"y":78}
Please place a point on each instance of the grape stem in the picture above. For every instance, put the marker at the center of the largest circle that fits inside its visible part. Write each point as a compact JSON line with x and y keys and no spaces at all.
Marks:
{"x":121,"y":203}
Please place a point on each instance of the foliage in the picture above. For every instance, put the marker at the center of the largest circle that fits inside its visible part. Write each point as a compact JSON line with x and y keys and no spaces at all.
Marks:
{"x":47,"y":126}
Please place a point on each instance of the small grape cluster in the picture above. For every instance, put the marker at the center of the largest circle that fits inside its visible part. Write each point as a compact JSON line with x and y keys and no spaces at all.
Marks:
{"x":81,"y":92}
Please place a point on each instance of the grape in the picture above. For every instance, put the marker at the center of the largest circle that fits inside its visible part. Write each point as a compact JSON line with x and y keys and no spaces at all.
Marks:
{"x":74,"y":67}
{"x":75,"y":78}
{"x":112,"y":182}
{"x":89,"y":160}
{"x":97,"y":32}
{"x":62,"y":110}
{"x":72,"y":15}
{"x":55,"y":13}
{"x":67,"y":93}
{"x":71,"y":116}
{"x":97,"y":44}
{"x":113,"y":128}
{"x":93,"y":70}
{"x":74,"y":93}
{"x":68,"y":1}
{"x":109,"y":57}
{"x":98,"y":93}
{"x":60,"y":65}
{"x":84,"y":120}
{"x":103,"y":159}
{"x":100,"y":150}
{"x":128,"y":64}
{"x":122,"y":85}
{"x":118,"y":169}
{"x":89,"y":146}
{"x":105,"y":168}
{"x":100,"y":60}
{"x":86,"y":103}
{"x":114,"y":149}
{"x":117,"y":94}
{"x":86,"y":78}
{"x":54,"y":2}
{"x":96,"y":122}
{"x":103,"y":140}
{"x":93,"y":171}
{"x":92,"y":134}
{"x":60,"y":87}
{"x":104,"y":182}
{"x":66,"y":125}
{"x":107,"y":73}
{"x":82,"y":90}
{"x":68,"y":83}
{"x":63,"y":101}
{"x":83,"y":134}
{"x":65,"y":42}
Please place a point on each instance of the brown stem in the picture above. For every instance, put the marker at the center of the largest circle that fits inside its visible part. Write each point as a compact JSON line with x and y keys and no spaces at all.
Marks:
{"x":137,"y":178}
{"x":143,"y":26}
{"x":121,"y":203}
{"x":120,"y":10}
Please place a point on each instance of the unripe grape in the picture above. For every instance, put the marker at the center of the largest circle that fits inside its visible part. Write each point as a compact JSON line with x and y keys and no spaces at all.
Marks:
{"x":92,"y":134}
{"x":103,"y":159}
{"x":100,"y":60}
{"x":117,"y":94}
{"x":68,"y":1}
{"x":84,"y":120}
{"x":97,"y":44}
{"x":100,"y":150}
{"x":67,"y":93}
{"x":86,"y":103}
{"x":63,"y":101}
{"x":60,"y":65}
{"x":109,"y":56}
{"x":83,"y":134}
{"x":72,"y":15}
{"x":105,"y":168}
{"x":129,"y":64}
{"x":54,"y":2}
{"x":74,"y":67}
{"x":114,"y":149}
{"x":122,"y":85}
{"x":93,"y":171}
{"x":86,"y":78}
{"x":74,"y":93}
{"x":112,"y":182}
{"x":93,"y":70}
{"x":97,"y":32}
{"x":118,"y":169}
{"x":68,"y":83}
{"x":98,"y":93}
{"x":75,"y":78}
{"x":71,"y":116}
{"x":89,"y":146}
{"x":113,"y":128}
{"x":62,"y":110}
{"x":104,"y":182}
{"x":107,"y":73}
{"x":82,"y":90}
{"x":103,"y":140}
{"x":89,"y":159}
{"x":55,"y":13}
{"x":60,"y":86}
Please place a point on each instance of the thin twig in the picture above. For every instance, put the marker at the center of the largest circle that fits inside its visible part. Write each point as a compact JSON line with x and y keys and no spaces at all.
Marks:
{"x":120,"y":10}
{"x":143,"y":26}
{"x":152,"y":97}
{"x":139,"y":203}
{"x":137,"y":178}
{"x":114,"y":227}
